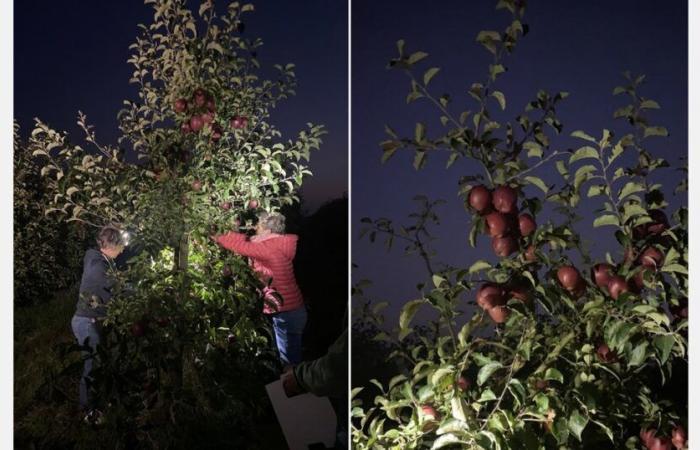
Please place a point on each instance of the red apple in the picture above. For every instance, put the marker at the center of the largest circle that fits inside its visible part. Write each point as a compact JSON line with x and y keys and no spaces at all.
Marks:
{"x":569,"y":278}
{"x":499,"y":314}
{"x":226,"y":271}
{"x":660,"y":443}
{"x":231,"y":339}
{"x":605,"y":354}
{"x":504,"y":246}
{"x":430,"y":412}
{"x":600,"y":274}
{"x":211,"y":105}
{"x":196,"y":123}
{"x":497,"y":224}
{"x":180,"y":105}
{"x":464,"y":383}
{"x":678,"y":437}
{"x":541,"y":385}
{"x":646,"y":434}
{"x":163,"y":321}
{"x":480,"y":198}
{"x":197,"y":185}
{"x":185,"y":128}
{"x":253,"y":204}
{"x":651,"y":258}
{"x":226,"y":206}
{"x":617,"y":286}
{"x":526,"y":224}
{"x":207,"y":117}
{"x":659,"y":222}
{"x":489,"y":295}
{"x":640,"y":231}
{"x":505,"y":199}
{"x":239,"y":122}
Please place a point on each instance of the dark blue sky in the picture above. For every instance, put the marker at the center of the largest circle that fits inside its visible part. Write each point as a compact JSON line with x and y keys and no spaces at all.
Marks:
{"x":71,"y":55}
{"x":579,"y":47}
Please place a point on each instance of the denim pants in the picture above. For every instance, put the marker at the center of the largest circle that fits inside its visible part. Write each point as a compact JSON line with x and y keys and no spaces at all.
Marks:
{"x":86,"y":332}
{"x":289,"y":327}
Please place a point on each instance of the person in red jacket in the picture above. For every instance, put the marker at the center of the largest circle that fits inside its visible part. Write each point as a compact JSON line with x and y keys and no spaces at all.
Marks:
{"x":271,"y":253}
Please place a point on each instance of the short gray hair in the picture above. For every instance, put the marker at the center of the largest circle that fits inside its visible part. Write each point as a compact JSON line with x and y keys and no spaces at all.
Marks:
{"x":272,"y":221}
{"x":109,"y":236}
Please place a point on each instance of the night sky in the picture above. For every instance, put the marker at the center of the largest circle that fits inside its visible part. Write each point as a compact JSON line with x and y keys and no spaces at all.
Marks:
{"x":579,"y":47}
{"x":71,"y":56}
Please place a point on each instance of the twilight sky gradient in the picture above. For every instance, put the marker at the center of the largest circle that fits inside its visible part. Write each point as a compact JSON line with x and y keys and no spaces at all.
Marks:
{"x":71,"y":56}
{"x":579,"y":47}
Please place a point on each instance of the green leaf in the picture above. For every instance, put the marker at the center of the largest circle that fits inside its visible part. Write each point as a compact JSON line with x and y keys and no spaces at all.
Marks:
{"x":537,"y":182}
{"x":495,"y":70}
{"x":459,"y":408}
{"x":438,"y":280}
{"x":638,"y":355}
{"x":417,"y":56}
{"x":501,"y":98}
{"x":664,"y":344}
{"x":649,"y":104}
{"x":542,"y":402}
{"x":440,"y":374}
{"x":577,"y":422}
{"x":408,"y":311}
{"x":400,"y":45}
{"x":419,"y":160}
{"x":487,"y":395}
{"x":596,"y":189}
{"x":486,"y":371}
{"x":445,"y":440}
{"x":534,"y":150}
{"x":677,"y":268}
{"x":655,"y":131}
{"x":429,"y":74}
{"x":583,"y":153}
{"x":553,"y":374}
{"x":479,"y":265}
{"x":581,"y":135}
{"x":607,"y":219}
{"x":630,"y":188}
{"x":419,"y":133}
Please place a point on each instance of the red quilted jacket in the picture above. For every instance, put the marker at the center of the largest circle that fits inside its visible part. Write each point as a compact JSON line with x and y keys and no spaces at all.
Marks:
{"x":272,"y":257}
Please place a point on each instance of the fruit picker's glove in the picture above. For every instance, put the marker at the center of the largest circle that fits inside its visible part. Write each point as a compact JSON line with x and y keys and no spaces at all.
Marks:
{"x":289,"y":382}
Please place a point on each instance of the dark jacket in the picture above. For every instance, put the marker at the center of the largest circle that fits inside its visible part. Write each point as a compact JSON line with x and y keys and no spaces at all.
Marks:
{"x":95,"y":285}
{"x":327,"y":375}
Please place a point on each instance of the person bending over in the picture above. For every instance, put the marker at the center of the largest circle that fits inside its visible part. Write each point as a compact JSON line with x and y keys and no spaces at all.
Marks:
{"x":94,"y":297}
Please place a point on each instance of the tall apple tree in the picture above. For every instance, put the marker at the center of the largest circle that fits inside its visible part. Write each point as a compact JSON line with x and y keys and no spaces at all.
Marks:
{"x":543,"y":346}
{"x":197,"y":156}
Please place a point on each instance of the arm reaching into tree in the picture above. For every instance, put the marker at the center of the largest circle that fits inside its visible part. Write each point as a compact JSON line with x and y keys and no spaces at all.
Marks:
{"x":239,"y":243}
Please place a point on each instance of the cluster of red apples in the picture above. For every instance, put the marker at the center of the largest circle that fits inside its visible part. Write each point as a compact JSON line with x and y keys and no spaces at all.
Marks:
{"x":651,"y":441}
{"x":504,"y":225}
{"x":200,"y":111}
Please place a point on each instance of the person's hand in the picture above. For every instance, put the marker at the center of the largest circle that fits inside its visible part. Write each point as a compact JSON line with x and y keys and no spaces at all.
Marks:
{"x":289,"y":382}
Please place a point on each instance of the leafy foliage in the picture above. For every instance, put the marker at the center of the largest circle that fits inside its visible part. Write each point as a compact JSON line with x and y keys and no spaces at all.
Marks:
{"x":47,"y":254}
{"x":565,"y":360}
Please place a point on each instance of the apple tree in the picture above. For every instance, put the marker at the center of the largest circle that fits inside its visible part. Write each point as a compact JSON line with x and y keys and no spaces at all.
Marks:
{"x":545,"y":345}
{"x":197,"y":155}
{"x":47,"y":254}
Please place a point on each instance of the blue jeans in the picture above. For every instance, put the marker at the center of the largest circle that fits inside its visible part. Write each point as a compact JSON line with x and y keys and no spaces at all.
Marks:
{"x":289,"y":327}
{"x":86,"y":332}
